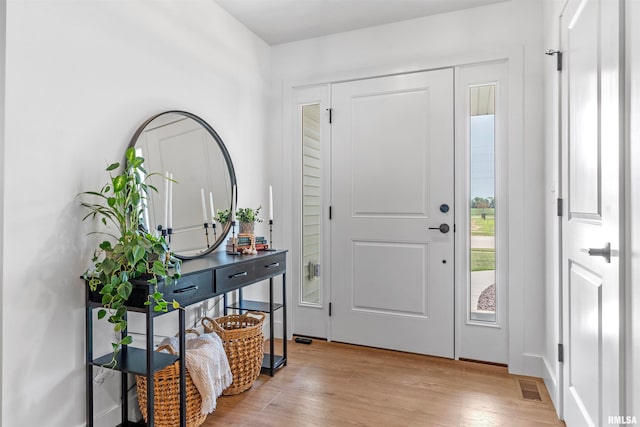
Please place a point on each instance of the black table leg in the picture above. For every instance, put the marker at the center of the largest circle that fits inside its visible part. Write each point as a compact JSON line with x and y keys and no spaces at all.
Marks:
{"x":89,"y":367}
{"x":183,"y":370}
{"x":150,"y":364}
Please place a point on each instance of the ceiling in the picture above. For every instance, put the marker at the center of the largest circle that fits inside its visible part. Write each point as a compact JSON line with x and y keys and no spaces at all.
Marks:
{"x":282,"y":21}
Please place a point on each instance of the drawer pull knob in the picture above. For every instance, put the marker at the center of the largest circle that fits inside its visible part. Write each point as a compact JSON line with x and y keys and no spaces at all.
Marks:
{"x":233,"y":276}
{"x":187,"y":289}
{"x":272,"y":265}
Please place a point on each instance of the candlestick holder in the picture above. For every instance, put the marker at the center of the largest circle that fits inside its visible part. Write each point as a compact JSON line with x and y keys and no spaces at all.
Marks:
{"x":215,"y":237}
{"x":169,"y":233}
{"x":234,"y":249}
{"x":206,"y":233}
{"x":271,"y":248}
{"x":163,"y":231}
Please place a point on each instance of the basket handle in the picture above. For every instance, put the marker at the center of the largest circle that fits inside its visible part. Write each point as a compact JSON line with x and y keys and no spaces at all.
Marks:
{"x":212,"y":324}
{"x":257,"y":314}
{"x":170,"y":348}
{"x":167,"y":347}
{"x":189,"y":331}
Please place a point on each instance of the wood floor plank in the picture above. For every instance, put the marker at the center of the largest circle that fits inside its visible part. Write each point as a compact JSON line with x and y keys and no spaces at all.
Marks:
{"x":333,"y":384}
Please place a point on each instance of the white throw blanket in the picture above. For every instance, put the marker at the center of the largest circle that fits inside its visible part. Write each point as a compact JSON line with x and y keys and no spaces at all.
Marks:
{"x":208,"y":366}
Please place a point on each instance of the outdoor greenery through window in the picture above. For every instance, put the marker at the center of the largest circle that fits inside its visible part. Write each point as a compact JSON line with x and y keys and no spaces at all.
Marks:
{"x":483,"y":207}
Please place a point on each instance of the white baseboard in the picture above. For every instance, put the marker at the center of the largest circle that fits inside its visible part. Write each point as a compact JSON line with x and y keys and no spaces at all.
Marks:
{"x":529,"y":364}
{"x":551,"y":382}
{"x":112,"y":416}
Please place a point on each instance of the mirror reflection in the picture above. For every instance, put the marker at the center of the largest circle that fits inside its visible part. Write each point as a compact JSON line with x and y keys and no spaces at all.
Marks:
{"x":184,"y":147}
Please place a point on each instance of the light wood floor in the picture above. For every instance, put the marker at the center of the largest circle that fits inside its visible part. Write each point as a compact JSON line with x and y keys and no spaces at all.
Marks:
{"x":331,"y":384}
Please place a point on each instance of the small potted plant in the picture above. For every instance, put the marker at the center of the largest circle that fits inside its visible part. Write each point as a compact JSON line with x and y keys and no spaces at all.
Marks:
{"x":248,"y":217}
{"x":129,"y":253}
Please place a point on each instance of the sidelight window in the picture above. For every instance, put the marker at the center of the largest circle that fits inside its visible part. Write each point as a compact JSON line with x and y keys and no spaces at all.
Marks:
{"x":311,"y":205}
{"x":482,"y":229}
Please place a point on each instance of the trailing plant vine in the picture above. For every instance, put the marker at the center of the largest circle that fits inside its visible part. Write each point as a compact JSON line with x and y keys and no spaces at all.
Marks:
{"x":131,"y":252}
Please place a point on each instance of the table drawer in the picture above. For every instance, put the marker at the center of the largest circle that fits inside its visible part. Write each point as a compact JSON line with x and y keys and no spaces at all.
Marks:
{"x":233,"y":277}
{"x":190,"y":289}
{"x":271,"y":266}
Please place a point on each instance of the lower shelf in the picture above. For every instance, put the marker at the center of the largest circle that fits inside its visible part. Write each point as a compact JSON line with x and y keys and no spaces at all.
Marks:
{"x":278,"y":361}
{"x":135,"y":361}
{"x":249,"y":305}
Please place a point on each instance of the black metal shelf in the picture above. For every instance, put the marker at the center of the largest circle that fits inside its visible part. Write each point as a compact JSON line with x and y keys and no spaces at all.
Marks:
{"x":202,"y":278}
{"x":278,"y":361}
{"x":249,"y":305}
{"x":135,"y":361}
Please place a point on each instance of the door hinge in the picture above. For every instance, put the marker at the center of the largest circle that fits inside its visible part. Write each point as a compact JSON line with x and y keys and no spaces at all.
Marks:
{"x":330,"y":110}
{"x":560,"y":353}
{"x":329,"y":309}
{"x":330,"y":212}
{"x":559,"y":64}
{"x":560,"y":206}
{"x":558,"y":54}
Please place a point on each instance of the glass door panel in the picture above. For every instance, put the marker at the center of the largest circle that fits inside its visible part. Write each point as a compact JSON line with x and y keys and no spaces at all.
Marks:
{"x":311,"y":205}
{"x":482,"y":216}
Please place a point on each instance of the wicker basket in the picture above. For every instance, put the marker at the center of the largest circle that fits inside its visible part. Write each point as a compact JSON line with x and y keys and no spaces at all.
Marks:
{"x":166,"y":391}
{"x":243,"y":342}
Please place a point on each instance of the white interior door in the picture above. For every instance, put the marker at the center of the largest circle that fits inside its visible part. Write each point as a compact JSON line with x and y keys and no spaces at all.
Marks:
{"x":591,"y":183}
{"x":392,"y":173}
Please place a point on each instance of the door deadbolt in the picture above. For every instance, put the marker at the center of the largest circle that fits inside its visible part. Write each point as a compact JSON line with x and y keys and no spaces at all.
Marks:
{"x":444,"y":228}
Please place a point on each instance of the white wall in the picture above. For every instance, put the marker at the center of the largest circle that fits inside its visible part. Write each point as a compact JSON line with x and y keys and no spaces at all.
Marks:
{"x":3,"y":32}
{"x":444,"y":40}
{"x":81,"y":76}
{"x":553,"y":289}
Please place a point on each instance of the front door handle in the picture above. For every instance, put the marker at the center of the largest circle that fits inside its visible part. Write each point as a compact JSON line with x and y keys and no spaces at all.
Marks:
{"x":603,"y":252}
{"x":444,"y":228}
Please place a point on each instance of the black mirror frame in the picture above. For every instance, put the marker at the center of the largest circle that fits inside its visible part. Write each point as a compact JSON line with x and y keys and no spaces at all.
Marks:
{"x":227,"y":158}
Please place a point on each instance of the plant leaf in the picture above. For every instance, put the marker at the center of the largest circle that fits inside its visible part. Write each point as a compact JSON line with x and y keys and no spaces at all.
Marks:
{"x":119,"y":183}
{"x":138,"y":254}
{"x":113,"y":166}
{"x":130,"y":154}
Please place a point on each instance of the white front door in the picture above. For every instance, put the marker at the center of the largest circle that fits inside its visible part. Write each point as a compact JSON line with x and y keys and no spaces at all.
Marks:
{"x":392,"y":187}
{"x":591,"y":140}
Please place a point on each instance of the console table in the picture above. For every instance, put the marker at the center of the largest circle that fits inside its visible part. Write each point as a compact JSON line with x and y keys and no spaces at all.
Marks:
{"x":202,"y":278}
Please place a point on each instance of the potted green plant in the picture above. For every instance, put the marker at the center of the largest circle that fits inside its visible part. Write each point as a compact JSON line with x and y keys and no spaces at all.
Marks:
{"x":130,"y":253}
{"x":248,"y":217}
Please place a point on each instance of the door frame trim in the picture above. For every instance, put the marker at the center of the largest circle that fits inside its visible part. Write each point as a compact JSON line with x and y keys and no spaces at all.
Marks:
{"x":520,"y":360}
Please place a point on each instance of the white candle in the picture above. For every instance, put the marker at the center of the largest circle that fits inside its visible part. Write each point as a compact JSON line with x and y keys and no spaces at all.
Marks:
{"x":170,"y":219}
{"x":270,"y":204}
{"x":166,"y":200}
{"x":233,"y":204}
{"x":213,"y":211}
{"x":204,"y":207}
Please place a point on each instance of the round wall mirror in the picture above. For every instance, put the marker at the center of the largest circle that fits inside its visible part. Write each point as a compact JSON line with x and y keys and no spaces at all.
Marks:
{"x":186,"y":147}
